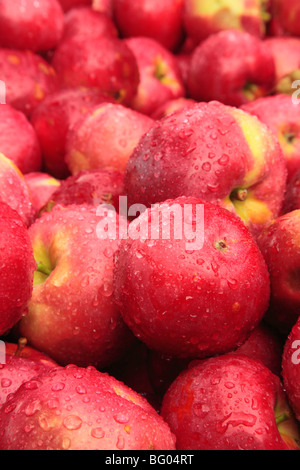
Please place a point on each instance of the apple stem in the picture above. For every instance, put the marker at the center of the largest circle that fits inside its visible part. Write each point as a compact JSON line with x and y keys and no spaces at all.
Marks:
{"x":239,"y":195}
{"x":41,"y":268}
{"x":21,"y":345}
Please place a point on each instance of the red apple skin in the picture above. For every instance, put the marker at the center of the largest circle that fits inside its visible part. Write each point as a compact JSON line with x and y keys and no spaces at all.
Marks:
{"x":28,"y":79}
{"x":81,"y":409}
{"x":279,"y":244}
{"x":18,"y":265}
{"x":282,"y":116}
{"x":292,"y":196}
{"x":105,"y":138}
{"x":24,"y":151}
{"x":291,"y":369}
{"x":36,"y":26}
{"x":201,"y":306}
{"x":72,"y":316}
{"x":21,"y":365}
{"x":246,"y":69}
{"x":14,"y":190}
{"x":200,"y":24}
{"x":41,"y":187}
{"x":287,"y":15}
{"x":104,"y":6}
{"x":190,"y":153}
{"x":85,"y":22}
{"x":171,"y":106}
{"x":53,"y":119}
{"x":160,"y":76}
{"x":148,"y":18}
{"x":265,"y":345}
{"x":233,"y":409}
{"x":92,"y":187}
{"x":69,"y":4}
{"x":105,"y":64}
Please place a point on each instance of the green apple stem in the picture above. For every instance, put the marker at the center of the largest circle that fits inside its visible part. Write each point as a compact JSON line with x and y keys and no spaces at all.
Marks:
{"x":41,"y":268}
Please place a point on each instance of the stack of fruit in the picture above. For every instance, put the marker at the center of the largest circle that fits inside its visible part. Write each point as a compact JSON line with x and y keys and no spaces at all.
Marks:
{"x":150,"y":225}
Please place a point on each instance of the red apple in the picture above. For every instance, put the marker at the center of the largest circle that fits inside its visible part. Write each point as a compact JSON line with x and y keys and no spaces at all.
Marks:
{"x":280,"y":247}
{"x":72,"y":316}
{"x":287,"y":16}
{"x":160,"y":76}
{"x":202,"y":304}
{"x":202,"y":18}
{"x":28,"y":24}
{"x":28,"y":79}
{"x":41,"y":187}
{"x":69,"y":4}
{"x":81,"y":409}
{"x":213,"y":152}
{"x":244,"y":71}
{"x":53,"y":119}
{"x":22,"y":363}
{"x":282,"y":116}
{"x":171,"y":106}
{"x":17,"y":268}
{"x":106,"y":64}
{"x":104,"y":6}
{"x":24,"y":151}
{"x":230,"y":402}
{"x":105,"y":138}
{"x":291,"y":369}
{"x":156,"y":19}
{"x":292,"y":196}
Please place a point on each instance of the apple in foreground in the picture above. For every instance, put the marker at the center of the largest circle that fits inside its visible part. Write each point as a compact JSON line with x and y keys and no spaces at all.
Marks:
{"x":213,"y":152}
{"x":291,"y":368}
{"x":240,"y":405}
{"x":72,"y":316}
{"x":17,"y":268}
{"x":292,"y":196}
{"x":203,"y":304}
{"x":76,"y":408}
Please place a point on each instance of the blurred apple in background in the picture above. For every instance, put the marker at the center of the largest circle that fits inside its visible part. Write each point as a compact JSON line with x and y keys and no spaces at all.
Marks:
{"x":41,"y":187}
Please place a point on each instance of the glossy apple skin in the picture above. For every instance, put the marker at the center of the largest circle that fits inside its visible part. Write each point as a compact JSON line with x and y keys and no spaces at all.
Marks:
{"x":21,"y":367}
{"x":202,"y":18}
{"x":148,"y":18}
{"x":69,"y":4}
{"x":41,"y":187}
{"x":30,"y":25}
{"x":226,"y":403}
{"x":245,"y":69}
{"x":105,"y":138}
{"x":201,"y":305}
{"x":24,"y":151}
{"x":53,"y":119}
{"x":85,"y":22}
{"x":160,"y":76}
{"x":18,"y":265}
{"x":279,"y":244}
{"x":291,"y":369}
{"x":81,"y":409}
{"x":171,"y":106}
{"x":91,"y":187}
{"x":281,"y":115}
{"x":105,"y":64}
{"x":190,"y":153}
{"x":292,"y":196}
{"x":72,"y":316}
{"x":28,"y":78}
{"x":104,"y":6}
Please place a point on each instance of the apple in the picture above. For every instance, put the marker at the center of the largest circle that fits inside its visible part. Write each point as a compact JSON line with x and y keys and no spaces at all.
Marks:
{"x":41,"y":187}
{"x":286,"y":52}
{"x":24,"y":151}
{"x":287,"y":16}
{"x":85,"y":22}
{"x":69,"y":4}
{"x":72,"y":316}
{"x":213,"y":152}
{"x":243,"y":72}
{"x":291,"y":369}
{"x":202,"y":18}
{"x":92,"y":187}
{"x":282,"y":116}
{"x":202,"y":304}
{"x":230,"y":402}
{"x":105,"y":138}
{"x":280,"y":248}
{"x":37,"y":26}
{"x":171,"y":106}
{"x":17,"y":268}
{"x":292,"y":196}
{"x":76,"y":408}
{"x":53,"y":119}
{"x":22,"y":363}
{"x":14,"y":190}
{"x":28,"y":78}
{"x":160,"y":76}
{"x":106,"y":64}
{"x":161,"y":21}
{"x":104,"y":6}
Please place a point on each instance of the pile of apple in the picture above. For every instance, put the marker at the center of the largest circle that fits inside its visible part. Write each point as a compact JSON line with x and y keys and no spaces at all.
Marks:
{"x":117,"y":116}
